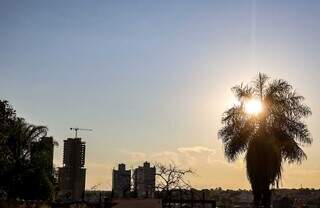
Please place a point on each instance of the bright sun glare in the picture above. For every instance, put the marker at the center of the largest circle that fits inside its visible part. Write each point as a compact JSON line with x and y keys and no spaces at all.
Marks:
{"x":253,"y":106}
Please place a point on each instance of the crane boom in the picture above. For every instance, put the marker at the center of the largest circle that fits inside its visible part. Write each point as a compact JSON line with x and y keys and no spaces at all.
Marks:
{"x":76,"y":129}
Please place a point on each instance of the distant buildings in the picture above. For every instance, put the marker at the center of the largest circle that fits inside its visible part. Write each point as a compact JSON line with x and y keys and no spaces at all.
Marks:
{"x":73,"y":174}
{"x":121,"y":181}
{"x":144,"y":180}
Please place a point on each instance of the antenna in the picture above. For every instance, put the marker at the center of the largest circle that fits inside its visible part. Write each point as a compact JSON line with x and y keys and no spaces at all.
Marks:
{"x":79,"y":129}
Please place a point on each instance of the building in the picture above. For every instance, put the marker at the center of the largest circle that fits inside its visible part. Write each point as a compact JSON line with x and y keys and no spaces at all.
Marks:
{"x":121,"y":181}
{"x":44,"y":149}
{"x":41,"y":159}
{"x":72,"y":175}
{"x":144,"y":181}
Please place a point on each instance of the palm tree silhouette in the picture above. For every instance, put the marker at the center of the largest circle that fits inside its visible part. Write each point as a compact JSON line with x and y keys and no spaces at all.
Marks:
{"x":20,"y":138}
{"x":268,"y":138}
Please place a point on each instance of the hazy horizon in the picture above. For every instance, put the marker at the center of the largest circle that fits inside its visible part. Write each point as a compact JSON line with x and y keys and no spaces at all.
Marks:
{"x":153,"y":78}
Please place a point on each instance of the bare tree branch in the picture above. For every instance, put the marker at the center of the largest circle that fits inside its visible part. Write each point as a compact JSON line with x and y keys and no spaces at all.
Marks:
{"x":170,"y":177}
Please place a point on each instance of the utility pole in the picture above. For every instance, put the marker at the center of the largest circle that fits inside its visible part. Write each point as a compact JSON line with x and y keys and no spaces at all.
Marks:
{"x":76,"y":129}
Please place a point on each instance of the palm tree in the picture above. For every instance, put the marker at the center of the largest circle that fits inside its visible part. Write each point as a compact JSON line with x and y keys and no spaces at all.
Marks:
{"x":21,"y":137}
{"x":268,"y":138}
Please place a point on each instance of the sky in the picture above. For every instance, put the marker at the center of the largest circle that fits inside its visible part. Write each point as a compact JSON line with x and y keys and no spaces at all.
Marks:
{"x":153,"y":78}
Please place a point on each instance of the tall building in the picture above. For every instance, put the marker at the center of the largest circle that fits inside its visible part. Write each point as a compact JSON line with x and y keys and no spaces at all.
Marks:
{"x":144,"y":181}
{"x":44,"y":149}
{"x":72,"y":175}
{"x":121,"y":181}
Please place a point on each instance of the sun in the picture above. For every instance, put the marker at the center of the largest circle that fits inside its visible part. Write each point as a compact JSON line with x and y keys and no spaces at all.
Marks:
{"x":253,"y":106}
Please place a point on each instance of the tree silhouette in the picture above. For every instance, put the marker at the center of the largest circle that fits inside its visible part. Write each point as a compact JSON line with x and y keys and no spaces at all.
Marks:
{"x":26,"y":168}
{"x":269,"y":138}
{"x":170,"y":177}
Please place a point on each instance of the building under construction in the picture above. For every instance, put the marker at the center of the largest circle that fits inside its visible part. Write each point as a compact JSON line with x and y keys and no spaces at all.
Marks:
{"x":72,"y":175}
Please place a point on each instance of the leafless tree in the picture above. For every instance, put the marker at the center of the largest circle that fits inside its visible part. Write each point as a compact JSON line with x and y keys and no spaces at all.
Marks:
{"x":171,"y":177}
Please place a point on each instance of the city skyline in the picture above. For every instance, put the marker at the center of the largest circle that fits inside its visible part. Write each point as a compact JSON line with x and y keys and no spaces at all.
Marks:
{"x":152,"y":79}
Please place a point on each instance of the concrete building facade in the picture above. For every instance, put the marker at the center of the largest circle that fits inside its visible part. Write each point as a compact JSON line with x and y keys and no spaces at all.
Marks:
{"x":72,"y":175}
{"x":121,"y":181}
{"x":144,"y":181}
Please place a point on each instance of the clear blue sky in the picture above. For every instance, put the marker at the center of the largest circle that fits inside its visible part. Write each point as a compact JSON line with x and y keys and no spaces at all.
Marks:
{"x":152,"y":78}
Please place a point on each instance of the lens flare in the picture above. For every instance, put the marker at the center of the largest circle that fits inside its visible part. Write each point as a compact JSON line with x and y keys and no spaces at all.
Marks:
{"x":253,"y":106}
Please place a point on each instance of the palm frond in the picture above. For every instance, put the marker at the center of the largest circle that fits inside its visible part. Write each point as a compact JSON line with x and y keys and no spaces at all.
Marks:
{"x":35,"y":132}
{"x":236,"y":133}
{"x":291,"y":152}
{"x":259,"y":84}
{"x":242,"y":92}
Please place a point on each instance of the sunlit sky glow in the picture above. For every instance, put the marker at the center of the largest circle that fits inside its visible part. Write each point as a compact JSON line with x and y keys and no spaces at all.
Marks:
{"x":253,"y":106}
{"x":153,"y":78}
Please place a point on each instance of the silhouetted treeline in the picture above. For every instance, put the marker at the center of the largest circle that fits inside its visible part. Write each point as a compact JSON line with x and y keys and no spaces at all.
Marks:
{"x":25,"y":157}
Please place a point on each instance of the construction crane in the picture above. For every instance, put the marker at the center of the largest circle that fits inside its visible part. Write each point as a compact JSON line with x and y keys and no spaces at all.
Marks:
{"x":79,"y":129}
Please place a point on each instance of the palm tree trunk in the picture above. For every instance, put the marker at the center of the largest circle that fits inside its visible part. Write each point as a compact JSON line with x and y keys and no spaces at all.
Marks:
{"x":256,"y":198}
{"x":266,"y":199}
{"x":262,"y":198}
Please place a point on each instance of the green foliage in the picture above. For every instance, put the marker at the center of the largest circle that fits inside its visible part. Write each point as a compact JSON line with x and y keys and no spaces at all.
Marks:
{"x":26,"y":167}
